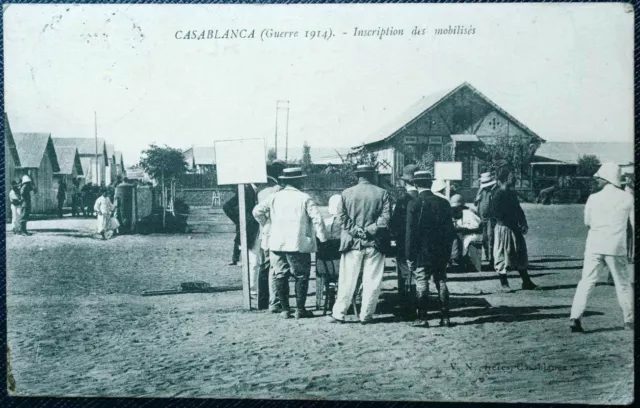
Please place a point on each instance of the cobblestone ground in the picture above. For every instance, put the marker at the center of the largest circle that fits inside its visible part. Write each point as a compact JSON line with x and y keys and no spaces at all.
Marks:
{"x":77,"y":326}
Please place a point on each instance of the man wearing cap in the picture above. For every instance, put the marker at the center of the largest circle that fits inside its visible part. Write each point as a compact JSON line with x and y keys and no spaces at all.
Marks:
{"x":295,"y":224}
{"x":428,"y":246}
{"x":26,"y":188}
{"x":510,"y":247}
{"x":364,"y":215}
{"x":398,"y":227}
{"x":607,"y":214}
{"x":274,"y":170}
{"x":483,"y":205}
{"x":467,"y":226}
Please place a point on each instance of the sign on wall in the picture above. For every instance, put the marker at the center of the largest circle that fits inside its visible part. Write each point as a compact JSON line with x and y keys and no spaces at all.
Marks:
{"x":241,"y":161}
{"x":448,"y":170}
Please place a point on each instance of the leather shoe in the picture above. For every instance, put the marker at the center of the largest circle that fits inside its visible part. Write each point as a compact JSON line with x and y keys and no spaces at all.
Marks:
{"x":303,"y":314}
{"x":576,"y":326}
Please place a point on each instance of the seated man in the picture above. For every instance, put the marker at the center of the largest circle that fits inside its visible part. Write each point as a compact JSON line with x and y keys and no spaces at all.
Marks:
{"x":468,"y":228}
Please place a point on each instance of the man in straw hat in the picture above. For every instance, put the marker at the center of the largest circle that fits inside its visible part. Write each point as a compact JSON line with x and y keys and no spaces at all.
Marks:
{"x":364,"y":215}
{"x":510,"y":247}
{"x":26,"y":188}
{"x":483,"y":205}
{"x":428,"y":246}
{"x":398,"y":227}
{"x":607,"y":214}
{"x":274,"y":171}
{"x":295,"y":224}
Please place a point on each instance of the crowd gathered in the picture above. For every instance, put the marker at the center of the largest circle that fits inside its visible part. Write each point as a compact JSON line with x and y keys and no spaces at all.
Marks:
{"x":428,"y":233}
{"x":90,"y":200}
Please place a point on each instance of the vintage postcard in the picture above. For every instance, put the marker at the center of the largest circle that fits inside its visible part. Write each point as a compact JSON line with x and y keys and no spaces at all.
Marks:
{"x":400,"y":202}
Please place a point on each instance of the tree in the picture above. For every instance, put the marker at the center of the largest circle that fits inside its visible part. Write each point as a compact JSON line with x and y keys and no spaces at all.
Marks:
{"x":512,"y":151}
{"x":306,"y":157}
{"x":271,"y":155}
{"x":588,"y":165}
{"x":163,"y":162}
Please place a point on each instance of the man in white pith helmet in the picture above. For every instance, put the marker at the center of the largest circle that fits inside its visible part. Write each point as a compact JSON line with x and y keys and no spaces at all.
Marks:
{"x":607,"y":214}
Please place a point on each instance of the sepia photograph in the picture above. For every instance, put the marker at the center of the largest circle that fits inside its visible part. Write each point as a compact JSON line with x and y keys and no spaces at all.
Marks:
{"x":378,"y":202}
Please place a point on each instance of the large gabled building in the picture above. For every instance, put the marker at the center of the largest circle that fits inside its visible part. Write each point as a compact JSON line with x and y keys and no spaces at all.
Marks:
{"x":450,"y":125}
{"x":93,"y":157}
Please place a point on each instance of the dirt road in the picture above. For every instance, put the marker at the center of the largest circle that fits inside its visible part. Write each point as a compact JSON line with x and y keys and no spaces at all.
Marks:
{"x":77,"y":325}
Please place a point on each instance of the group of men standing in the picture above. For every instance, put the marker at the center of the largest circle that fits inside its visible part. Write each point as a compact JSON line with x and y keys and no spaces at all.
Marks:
{"x":20,"y":199}
{"x":431,"y":233}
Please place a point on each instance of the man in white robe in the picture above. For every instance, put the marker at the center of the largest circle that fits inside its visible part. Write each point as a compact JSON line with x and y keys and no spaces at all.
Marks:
{"x":105,"y":210}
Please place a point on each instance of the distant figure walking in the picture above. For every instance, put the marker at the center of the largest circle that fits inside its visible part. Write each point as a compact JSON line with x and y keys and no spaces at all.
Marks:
{"x":61,"y":196}
{"x":295,"y":224}
{"x":607,"y":214}
{"x":105,"y":209}
{"x":510,"y":247}
{"x":365,"y":213}
{"x":76,"y":199}
{"x":87,"y":202}
{"x":483,"y":205}
{"x":16,"y":207}
{"x":26,"y":188}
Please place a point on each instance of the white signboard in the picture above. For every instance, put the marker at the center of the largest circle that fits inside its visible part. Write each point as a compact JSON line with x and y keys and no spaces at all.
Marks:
{"x":448,"y":170}
{"x":241,"y":161}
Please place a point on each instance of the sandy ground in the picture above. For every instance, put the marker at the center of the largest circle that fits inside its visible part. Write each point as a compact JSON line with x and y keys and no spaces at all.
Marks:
{"x":77,"y":326}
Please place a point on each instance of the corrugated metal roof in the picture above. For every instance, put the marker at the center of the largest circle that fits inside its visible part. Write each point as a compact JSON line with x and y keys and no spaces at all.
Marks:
{"x":67,"y":159}
{"x":428,"y":103}
{"x":32,"y":147}
{"x":569,"y":152}
{"x":111,"y":151}
{"x":85,"y":146}
{"x":8,"y":139}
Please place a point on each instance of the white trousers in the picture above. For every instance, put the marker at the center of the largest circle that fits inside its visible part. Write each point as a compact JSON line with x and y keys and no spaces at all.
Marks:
{"x":622,"y":275}
{"x":255,"y":261}
{"x":370,"y":263}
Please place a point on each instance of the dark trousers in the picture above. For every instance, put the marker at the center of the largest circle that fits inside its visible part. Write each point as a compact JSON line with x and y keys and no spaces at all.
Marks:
{"x":60,"y":206}
{"x":235,"y":256}
{"x":488,"y":227}
{"x":294,"y":264}
{"x":75,"y":204}
{"x":26,"y":213}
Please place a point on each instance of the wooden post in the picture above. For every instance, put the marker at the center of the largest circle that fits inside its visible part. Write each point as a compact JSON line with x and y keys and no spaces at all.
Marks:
{"x":448,"y":191}
{"x":246,"y":291}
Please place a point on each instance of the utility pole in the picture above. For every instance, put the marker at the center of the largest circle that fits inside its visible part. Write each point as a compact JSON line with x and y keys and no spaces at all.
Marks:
{"x":286,"y":107}
{"x":95,"y":122}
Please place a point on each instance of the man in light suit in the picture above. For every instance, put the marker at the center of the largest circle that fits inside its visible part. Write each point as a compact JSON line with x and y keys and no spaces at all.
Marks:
{"x":364,"y":215}
{"x":607,"y":214}
{"x":295,"y":224}
{"x":274,"y":170}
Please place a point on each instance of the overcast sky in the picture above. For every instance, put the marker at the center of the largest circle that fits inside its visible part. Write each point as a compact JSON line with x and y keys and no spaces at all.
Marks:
{"x":566,"y":71}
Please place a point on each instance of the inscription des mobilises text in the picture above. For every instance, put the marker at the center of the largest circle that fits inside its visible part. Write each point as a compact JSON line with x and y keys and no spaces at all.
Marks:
{"x":267,"y":34}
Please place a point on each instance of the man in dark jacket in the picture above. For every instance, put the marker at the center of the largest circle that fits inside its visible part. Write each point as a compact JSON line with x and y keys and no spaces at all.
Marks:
{"x":232,"y":209}
{"x":429,"y":238}
{"x":61,"y":196}
{"x":398,"y":227}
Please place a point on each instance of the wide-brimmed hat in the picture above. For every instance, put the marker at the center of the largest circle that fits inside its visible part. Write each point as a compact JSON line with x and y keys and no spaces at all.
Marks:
{"x":26,"y":179}
{"x":422,"y":175}
{"x":408,"y":172}
{"x":609,"y":172}
{"x":438,"y":185}
{"x":279,"y":163}
{"x":456,"y":201}
{"x":486,"y":180}
{"x":292,"y":174}
{"x":365,"y":168}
